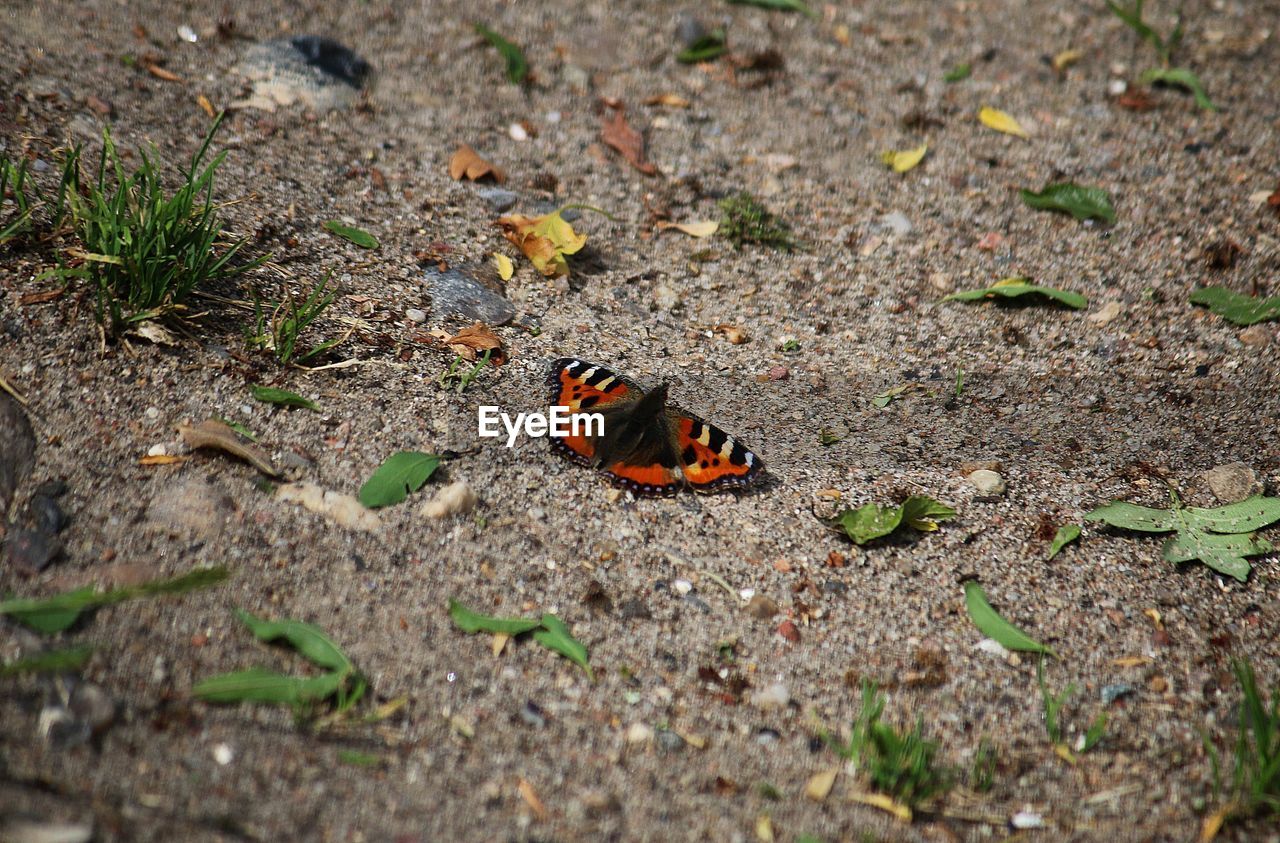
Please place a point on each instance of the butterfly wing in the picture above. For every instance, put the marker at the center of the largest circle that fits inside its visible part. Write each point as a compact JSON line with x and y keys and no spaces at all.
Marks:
{"x":582,"y":386}
{"x":712,"y":459}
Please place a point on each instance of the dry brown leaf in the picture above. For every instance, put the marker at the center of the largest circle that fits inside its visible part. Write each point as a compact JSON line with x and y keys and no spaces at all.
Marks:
{"x":204,"y":103}
{"x":1136,"y":99}
{"x":669,"y":100}
{"x":153,"y":67}
{"x":212,"y":434}
{"x":162,"y":459}
{"x":732,"y":333}
{"x":41,"y":297}
{"x":466,"y":162}
{"x":618,"y":134}
{"x":693,"y":229}
{"x":530,"y":796}
{"x":474,"y":341}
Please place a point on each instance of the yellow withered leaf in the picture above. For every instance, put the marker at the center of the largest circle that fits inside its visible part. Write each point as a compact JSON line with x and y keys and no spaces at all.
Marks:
{"x":1065,"y":59}
{"x":693,"y":229}
{"x":994,"y":118}
{"x":903,"y":160}
{"x":545,"y":240}
{"x":505,"y":267}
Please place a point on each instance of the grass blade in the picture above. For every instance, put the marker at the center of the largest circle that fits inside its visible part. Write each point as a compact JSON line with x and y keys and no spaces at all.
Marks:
{"x":554,"y":635}
{"x":307,"y":639}
{"x":991,"y":624}
{"x":53,"y":661}
{"x":472,"y":622}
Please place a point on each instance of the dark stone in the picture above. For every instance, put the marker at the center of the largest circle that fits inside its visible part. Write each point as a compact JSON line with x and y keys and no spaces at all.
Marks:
{"x":329,"y":56}
{"x":498,"y":199}
{"x":453,"y":293}
{"x":669,"y":741}
{"x":532,"y":714}
{"x":31,"y":550}
{"x":17,"y":448}
{"x":634,"y":609}
{"x":47,"y":515}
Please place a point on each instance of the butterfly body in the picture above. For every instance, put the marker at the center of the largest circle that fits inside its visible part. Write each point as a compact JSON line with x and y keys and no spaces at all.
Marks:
{"x":647,"y":445}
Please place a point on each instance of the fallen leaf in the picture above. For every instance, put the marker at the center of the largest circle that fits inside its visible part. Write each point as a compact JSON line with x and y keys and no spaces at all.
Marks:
{"x":693,"y":229}
{"x":545,"y":240}
{"x":1136,"y":99}
{"x":1065,"y":59}
{"x":1181,"y":77}
{"x":819,"y":785}
{"x":993,"y":625}
{"x":360,"y":237}
{"x":618,"y":134}
{"x":467,"y":163}
{"x":885,"y":803}
{"x":734,"y":334}
{"x":1066,"y":534}
{"x":161,"y":459}
{"x":959,"y":73}
{"x":505,"y":267}
{"x":474,"y":341}
{"x":159,"y":72}
{"x":530,"y":796}
{"x":1016,"y":287}
{"x":668,"y":100}
{"x":398,"y":475}
{"x":1077,"y":200}
{"x":1237,"y":308}
{"x":994,"y":118}
{"x":517,"y":64}
{"x":212,"y":434}
{"x":764,"y":829}
{"x":282,"y":397}
{"x":904,"y":160}
{"x":42,"y":296}
{"x":154,"y":332}
{"x":778,"y":6}
{"x":207,"y":106}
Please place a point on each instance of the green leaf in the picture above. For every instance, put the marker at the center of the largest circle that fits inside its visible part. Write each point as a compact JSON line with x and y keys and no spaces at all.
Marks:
{"x":261,"y":685}
{"x":1078,"y":201}
{"x":872,"y":521}
{"x":1096,"y":730}
{"x":517,"y":65}
{"x":707,"y":48}
{"x":777,"y":6}
{"x":54,"y":614}
{"x":1236,"y":308}
{"x":359,"y":236}
{"x":472,"y":622}
{"x":958,"y":73}
{"x":307,"y":639}
{"x":400,"y":474}
{"x":1221,"y":537}
{"x":1133,"y":19}
{"x":1183,"y":78}
{"x":991,"y":624}
{"x":282,"y":397}
{"x":51,"y":661}
{"x":1012,"y":288}
{"x":1066,"y":534}
{"x":554,"y":635}
{"x":237,"y":427}
{"x":359,"y":759}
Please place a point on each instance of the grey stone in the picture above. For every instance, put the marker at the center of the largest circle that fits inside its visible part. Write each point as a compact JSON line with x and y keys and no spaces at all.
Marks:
{"x":987,"y":482}
{"x":31,"y":550}
{"x":454,"y":293}
{"x":498,"y":199}
{"x":1233,"y":482}
{"x":17,"y":449}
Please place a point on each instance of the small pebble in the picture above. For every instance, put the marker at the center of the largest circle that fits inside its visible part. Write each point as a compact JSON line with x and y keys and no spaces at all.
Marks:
{"x":1233,"y":482}
{"x":669,"y":741}
{"x":1026,"y":819}
{"x":897,"y":222}
{"x":498,"y":199}
{"x":532,"y":714}
{"x":683,"y":587}
{"x":1116,"y":87}
{"x":767,"y":737}
{"x":990,"y":645}
{"x":517,"y":132}
{"x":788,"y":631}
{"x":639,"y":733}
{"x":772,"y":696}
{"x":987,"y":482}
{"x":222,"y":754}
{"x":413,"y":314}
{"x":1113,"y":692}
{"x":779,"y":373}
{"x":761,"y":607}
{"x":91,"y":706}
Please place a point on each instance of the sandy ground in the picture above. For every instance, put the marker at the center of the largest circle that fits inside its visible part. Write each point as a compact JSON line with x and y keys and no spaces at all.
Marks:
{"x":1072,"y":407}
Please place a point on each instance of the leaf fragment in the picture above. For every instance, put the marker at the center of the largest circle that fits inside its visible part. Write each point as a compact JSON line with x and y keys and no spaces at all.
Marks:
{"x":57,"y":613}
{"x":872,"y":521}
{"x":778,"y":6}
{"x":627,"y":141}
{"x":517,"y":64}
{"x":282,"y":397}
{"x":1066,"y":534}
{"x":994,"y":118}
{"x":1017,"y":286}
{"x":399,"y":474}
{"x":359,"y":236}
{"x":703,"y":228}
{"x":472,"y":622}
{"x":1064,"y":59}
{"x":900,"y":161}
{"x":215,"y":434}
{"x":555,"y":636}
{"x":545,"y":240}
{"x":467,"y":163}
{"x":959,"y":73}
{"x":709,"y":47}
{"x":1077,"y":200}
{"x":63,"y":660}
{"x":307,"y":639}
{"x":667,"y":100}
{"x":1181,"y":77}
{"x":1237,"y":308}
{"x":505,"y":267}
{"x":991,"y":624}
{"x":473,"y":341}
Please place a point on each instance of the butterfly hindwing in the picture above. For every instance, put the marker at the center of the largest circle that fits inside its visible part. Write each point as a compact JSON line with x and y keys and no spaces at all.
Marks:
{"x":712,"y":459}
{"x":676,"y":449}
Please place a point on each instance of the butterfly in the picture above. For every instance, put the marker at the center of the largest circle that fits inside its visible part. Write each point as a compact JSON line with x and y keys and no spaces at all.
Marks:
{"x":647,"y":445}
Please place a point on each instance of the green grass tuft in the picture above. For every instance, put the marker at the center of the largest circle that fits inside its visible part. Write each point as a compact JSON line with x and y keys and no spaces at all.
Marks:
{"x":901,"y":765}
{"x":281,"y":331}
{"x":745,"y":220}
{"x":1255,"y":774}
{"x":145,"y":251}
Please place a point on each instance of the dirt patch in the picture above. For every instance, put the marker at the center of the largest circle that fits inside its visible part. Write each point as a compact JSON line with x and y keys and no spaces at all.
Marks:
{"x":1071,"y":411}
